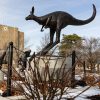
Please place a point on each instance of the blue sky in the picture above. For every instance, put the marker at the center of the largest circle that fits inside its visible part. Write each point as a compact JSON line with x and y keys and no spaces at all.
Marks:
{"x":13,"y":13}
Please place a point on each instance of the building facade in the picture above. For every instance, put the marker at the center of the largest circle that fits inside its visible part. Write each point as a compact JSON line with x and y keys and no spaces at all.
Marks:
{"x":11,"y":34}
{"x":8,"y":34}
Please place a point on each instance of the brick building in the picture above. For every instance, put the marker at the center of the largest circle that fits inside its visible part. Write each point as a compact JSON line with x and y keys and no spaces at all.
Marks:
{"x":8,"y":34}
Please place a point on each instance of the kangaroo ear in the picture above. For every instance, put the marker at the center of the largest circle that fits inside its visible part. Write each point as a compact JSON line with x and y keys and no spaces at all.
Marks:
{"x":32,"y":11}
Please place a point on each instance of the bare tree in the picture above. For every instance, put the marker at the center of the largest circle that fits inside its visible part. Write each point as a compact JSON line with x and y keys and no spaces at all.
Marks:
{"x":43,"y":42}
{"x":91,"y":50}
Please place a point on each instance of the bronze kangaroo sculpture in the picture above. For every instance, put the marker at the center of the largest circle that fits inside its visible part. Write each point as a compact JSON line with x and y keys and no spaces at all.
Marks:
{"x":56,"y":21}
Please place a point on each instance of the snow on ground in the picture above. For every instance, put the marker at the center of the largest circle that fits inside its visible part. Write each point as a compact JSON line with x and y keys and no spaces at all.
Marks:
{"x":70,"y":93}
{"x":74,"y":92}
{"x":1,"y":92}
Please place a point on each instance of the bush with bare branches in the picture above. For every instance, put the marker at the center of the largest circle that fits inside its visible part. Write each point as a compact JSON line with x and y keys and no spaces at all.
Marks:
{"x":44,"y":84}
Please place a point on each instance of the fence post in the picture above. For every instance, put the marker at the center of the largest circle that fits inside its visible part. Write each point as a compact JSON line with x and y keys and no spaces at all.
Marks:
{"x":73,"y":69}
{"x":84,"y":68}
{"x":9,"y":74}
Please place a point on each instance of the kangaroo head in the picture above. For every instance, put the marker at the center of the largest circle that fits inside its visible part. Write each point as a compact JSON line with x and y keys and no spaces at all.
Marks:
{"x":31,"y":16}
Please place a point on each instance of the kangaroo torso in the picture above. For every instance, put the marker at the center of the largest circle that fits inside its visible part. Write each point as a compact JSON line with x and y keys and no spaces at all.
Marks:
{"x":57,"y":17}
